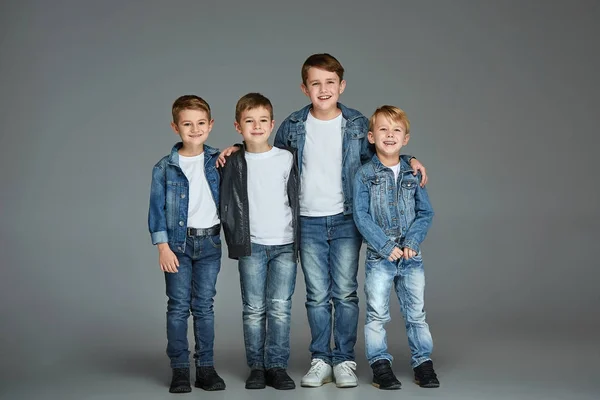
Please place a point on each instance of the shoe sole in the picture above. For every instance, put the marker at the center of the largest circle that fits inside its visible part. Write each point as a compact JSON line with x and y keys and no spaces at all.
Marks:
{"x":395,"y":387}
{"x":181,"y":389}
{"x":429,"y":385}
{"x":255,"y":386}
{"x":213,"y":388}
{"x":290,"y":387}
{"x":313,"y":385}
{"x":346,"y":385}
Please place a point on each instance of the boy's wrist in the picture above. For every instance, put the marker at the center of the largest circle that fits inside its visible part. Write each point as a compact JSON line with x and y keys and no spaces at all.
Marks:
{"x":162,"y":246}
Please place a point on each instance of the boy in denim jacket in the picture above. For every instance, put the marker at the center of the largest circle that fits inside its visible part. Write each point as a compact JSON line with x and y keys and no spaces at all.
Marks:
{"x":393,"y":213}
{"x":184,"y":224}
{"x":331,"y":141}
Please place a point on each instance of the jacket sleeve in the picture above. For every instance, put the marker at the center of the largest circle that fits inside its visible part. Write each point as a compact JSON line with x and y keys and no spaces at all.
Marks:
{"x":282,"y":133}
{"x":407,"y":158}
{"x":423,"y":216}
{"x":366,"y":149}
{"x":157,"y":219}
{"x":372,"y":232}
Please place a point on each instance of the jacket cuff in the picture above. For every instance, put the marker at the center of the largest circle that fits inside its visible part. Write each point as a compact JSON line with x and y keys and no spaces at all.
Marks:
{"x":159,"y":237}
{"x":411,"y":244}
{"x":387,"y":248}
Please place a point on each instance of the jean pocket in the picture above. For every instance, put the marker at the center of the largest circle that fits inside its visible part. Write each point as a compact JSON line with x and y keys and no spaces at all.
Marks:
{"x":215,"y":241}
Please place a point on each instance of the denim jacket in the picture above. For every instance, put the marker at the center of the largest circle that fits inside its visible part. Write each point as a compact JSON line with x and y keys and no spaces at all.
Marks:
{"x":168,"y":211}
{"x":388,"y":217}
{"x":355,"y":145}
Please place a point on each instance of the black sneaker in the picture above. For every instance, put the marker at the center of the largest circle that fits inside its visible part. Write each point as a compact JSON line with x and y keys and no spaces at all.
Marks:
{"x":425,"y":376}
{"x":383,"y":376}
{"x":180,"y":382}
{"x":279,"y":379}
{"x":208,"y":379}
{"x":256,"y":380}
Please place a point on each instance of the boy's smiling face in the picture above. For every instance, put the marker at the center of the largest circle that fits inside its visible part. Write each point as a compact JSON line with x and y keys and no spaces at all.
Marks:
{"x":388,"y":136}
{"x":323,"y":88}
{"x":193,"y":126}
{"x":256,"y":125}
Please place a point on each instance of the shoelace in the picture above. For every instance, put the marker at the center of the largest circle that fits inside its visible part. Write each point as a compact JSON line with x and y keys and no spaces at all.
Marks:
{"x":316,"y":366}
{"x":181,"y":373}
{"x":347,"y":367}
{"x":427,"y":371}
{"x":207,"y":371}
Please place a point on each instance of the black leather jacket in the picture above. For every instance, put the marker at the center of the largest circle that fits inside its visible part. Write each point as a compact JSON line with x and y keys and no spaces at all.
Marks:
{"x":235,"y":215}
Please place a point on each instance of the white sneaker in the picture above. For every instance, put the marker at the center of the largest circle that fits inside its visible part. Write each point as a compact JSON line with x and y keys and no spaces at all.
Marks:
{"x":344,"y":374}
{"x":318,"y":374}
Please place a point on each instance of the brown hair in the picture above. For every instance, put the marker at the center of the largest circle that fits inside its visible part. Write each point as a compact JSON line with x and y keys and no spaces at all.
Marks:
{"x":393,"y":113}
{"x":251,"y":101}
{"x":189,"y":102}
{"x":324,"y":61}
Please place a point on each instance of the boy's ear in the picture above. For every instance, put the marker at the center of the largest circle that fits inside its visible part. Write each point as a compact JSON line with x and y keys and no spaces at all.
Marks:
{"x":371,"y":137}
{"x":406,"y":139}
{"x":272,"y":124}
{"x":175,"y":128}
{"x":342,"y":86}
{"x":238,"y":128}
{"x":304,"y":89}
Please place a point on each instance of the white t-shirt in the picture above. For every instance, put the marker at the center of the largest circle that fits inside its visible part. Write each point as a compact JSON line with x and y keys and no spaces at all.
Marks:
{"x":202,"y":211}
{"x":396,"y":170}
{"x":321,"y":181}
{"x":269,"y":206}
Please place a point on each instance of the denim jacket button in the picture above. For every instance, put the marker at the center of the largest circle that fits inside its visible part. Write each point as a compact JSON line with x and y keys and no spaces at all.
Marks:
{"x":183,"y":195}
{"x":401,"y":211}
{"x":180,"y":223}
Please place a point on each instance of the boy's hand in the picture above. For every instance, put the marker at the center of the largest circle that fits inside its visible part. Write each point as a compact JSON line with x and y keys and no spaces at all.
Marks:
{"x":167,"y":259}
{"x":409,"y":253}
{"x":417,"y":166}
{"x":396,"y":254}
{"x":226,"y":153}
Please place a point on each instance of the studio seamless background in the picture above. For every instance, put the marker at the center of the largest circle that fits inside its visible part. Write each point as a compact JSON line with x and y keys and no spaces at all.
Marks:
{"x":502,"y":97}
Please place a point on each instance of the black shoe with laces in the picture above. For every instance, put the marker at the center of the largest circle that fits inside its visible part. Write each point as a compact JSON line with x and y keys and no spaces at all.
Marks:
{"x":279,"y":379}
{"x":256,"y":380}
{"x":425,"y":376}
{"x":208,"y":379}
{"x":383,"y":376}
{"x":180,"y":382}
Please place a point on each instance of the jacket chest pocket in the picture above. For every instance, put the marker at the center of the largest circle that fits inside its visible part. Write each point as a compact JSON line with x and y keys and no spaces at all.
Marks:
{"x":378,"y":199}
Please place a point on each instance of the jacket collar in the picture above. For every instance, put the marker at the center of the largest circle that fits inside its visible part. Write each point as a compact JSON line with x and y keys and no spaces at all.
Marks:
{"x":174,"y":156}
{"x":378,"y":166}
{"x":348,"y":114}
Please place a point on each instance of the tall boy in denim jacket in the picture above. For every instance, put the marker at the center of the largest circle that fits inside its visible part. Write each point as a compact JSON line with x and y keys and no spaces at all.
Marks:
{"x":184,"y":223}
{"x":393,"y":213}
{"x":331,"y":141}
{"x":259,"y":211}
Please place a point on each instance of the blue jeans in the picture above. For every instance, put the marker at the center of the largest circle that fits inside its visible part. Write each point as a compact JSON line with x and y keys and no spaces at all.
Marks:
{"x":408,"y":279}
{"x":329,"y":249}
{"x":268,"y":280}
{"x":193,"y":288}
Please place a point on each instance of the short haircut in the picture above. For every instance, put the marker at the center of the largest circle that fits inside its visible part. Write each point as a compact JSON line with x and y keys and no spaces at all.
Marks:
{"x":189,"y":102}
{"x":323,"y":61}
{"x":251,"y":101}
{"x":393,"y":113}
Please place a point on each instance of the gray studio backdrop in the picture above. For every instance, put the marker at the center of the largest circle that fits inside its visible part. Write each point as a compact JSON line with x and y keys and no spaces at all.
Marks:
{"x":501,"y":95}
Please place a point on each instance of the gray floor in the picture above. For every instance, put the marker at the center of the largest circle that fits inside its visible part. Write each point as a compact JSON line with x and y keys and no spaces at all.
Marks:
{"x":491,"y":368}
